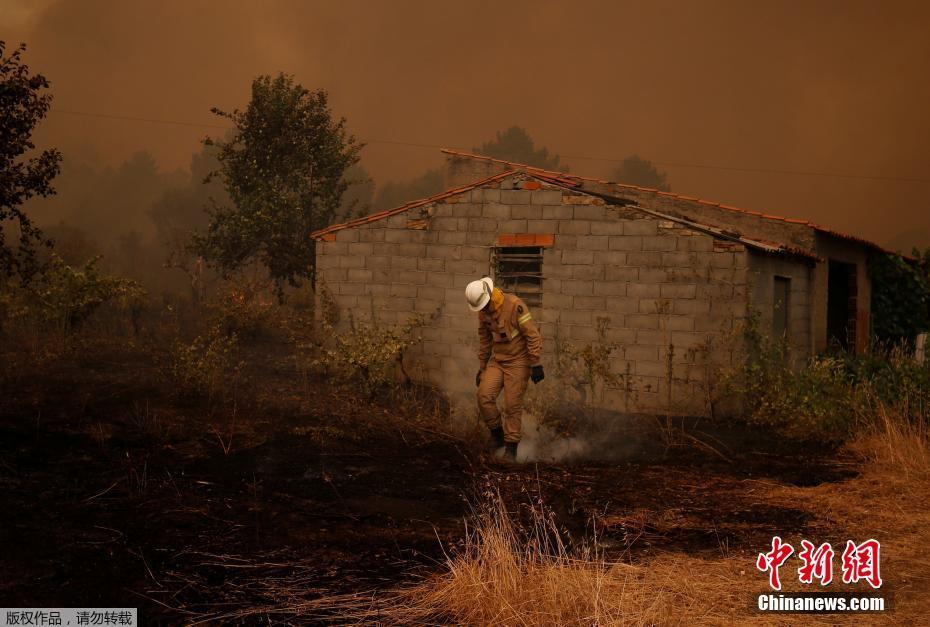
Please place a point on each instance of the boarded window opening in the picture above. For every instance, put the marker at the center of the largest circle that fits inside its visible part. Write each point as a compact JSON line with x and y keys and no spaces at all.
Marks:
{"x":780,"y":304}
{"x":841,"y":304}
{"x":518,"y":269}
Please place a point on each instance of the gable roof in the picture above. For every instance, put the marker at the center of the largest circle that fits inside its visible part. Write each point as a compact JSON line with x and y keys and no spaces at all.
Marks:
{"x":754,"y":243}
{"x":407,"y":206}
{"x":569,"y":185}
{"x":576,"y":181}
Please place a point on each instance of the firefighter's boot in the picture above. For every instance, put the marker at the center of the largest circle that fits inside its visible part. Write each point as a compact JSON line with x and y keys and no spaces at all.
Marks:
{"x":497,"y":437}
{"x":510,"y":451}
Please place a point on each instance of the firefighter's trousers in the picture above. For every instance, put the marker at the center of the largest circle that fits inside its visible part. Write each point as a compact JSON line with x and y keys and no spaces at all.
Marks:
{"x":512,"y":377}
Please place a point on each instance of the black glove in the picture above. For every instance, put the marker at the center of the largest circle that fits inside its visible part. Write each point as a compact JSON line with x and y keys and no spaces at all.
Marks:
{"x":478,"y":378}
{"x":537,"y":374}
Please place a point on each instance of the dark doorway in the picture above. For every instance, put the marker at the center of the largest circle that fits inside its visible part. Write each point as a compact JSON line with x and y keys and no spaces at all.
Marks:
{"x":841,"y":305}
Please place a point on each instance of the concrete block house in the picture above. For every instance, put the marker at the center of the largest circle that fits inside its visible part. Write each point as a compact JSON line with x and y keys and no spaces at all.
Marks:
{"x":667,"y":275}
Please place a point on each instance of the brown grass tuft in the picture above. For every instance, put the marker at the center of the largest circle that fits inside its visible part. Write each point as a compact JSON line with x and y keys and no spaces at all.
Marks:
{"x":893,"y":442}
{"x":507,"y":576}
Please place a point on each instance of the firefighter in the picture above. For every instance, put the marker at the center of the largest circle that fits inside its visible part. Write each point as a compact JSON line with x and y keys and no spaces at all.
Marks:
{"x":508,"y":356}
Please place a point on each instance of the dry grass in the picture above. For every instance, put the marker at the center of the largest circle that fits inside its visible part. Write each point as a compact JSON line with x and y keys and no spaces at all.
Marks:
{"x":508,"y":576}
{"x":889,"y":502}
{"x":504,"y":575}
{"x":893,"y":443}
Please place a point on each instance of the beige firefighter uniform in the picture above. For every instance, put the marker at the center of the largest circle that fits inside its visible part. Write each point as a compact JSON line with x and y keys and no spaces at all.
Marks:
{"x":510,"y":346}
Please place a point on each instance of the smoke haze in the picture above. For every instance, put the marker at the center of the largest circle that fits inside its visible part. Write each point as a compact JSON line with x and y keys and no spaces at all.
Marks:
{"x":801,"y":86}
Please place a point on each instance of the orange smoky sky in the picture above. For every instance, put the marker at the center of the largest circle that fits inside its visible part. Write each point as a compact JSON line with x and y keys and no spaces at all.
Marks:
{"x":822,"y":87}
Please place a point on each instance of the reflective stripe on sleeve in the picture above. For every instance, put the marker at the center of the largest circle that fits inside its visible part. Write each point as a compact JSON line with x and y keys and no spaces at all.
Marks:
{"x":524,"y":318}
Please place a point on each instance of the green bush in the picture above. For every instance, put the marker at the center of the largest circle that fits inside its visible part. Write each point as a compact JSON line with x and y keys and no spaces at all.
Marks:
{"x":244,"y":307}
{"x":367,"y":353}
{"x":891,"y":376}
{"x":64,"y":297}
{"x":900,"y":296}
{"x":208,"y":365}
{"x":831,"y":396}
{"x":816,"y":402}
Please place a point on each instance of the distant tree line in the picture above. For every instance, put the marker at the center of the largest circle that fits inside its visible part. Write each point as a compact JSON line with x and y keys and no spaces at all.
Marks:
{"x":516,"y":145}
{"x":287,"y":167}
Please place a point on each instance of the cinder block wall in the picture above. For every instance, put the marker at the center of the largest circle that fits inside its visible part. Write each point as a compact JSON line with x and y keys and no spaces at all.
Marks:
{"x":670,"y":293}
{"x":667,"y":291}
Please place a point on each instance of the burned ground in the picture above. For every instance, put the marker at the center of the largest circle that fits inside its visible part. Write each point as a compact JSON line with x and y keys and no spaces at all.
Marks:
{"x":119,"y":492}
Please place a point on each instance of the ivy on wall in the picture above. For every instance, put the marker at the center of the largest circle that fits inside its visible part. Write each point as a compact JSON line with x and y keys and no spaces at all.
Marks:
{"x":900,"y":296}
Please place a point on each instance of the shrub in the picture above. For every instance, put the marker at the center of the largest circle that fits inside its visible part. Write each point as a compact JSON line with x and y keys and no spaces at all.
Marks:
{"x":64,"y":297}
{"x":581,"y":375}
{"x":816,"y":402}
{"x":891,"y":376}
{"x":832,"y":395}
{"x":900,"y":296}
{"x":588,"y":369}
{"x":11,"y":308}
{"x":368,"y":354}
{"x":208,"y":365}
{"x":244,"y":306}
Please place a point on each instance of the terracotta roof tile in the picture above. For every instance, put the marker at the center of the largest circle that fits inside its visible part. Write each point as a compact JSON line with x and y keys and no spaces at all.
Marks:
{"x":562,"y":175}
{"x":574,"y":181}
{"x":331,"y":229}
{"x":548,"y":239}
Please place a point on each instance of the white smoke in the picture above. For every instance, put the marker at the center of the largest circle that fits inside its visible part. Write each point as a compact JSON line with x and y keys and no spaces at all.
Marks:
{"x":609,"y":436}
{"x":542,"y":444}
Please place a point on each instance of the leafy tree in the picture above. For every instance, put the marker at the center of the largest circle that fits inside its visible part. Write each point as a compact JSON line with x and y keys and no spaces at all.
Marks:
{"x":515,"y":144}
{"x":22,"y":106}
{"x":283,"y":169}
{"x":637,"y":171}
{"x":66,"y":296}
{"x":900,"y":296}
{"x":394,"y":194}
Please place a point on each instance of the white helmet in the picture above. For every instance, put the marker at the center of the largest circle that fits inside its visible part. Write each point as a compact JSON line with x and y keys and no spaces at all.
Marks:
{"x":478,"y":293}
